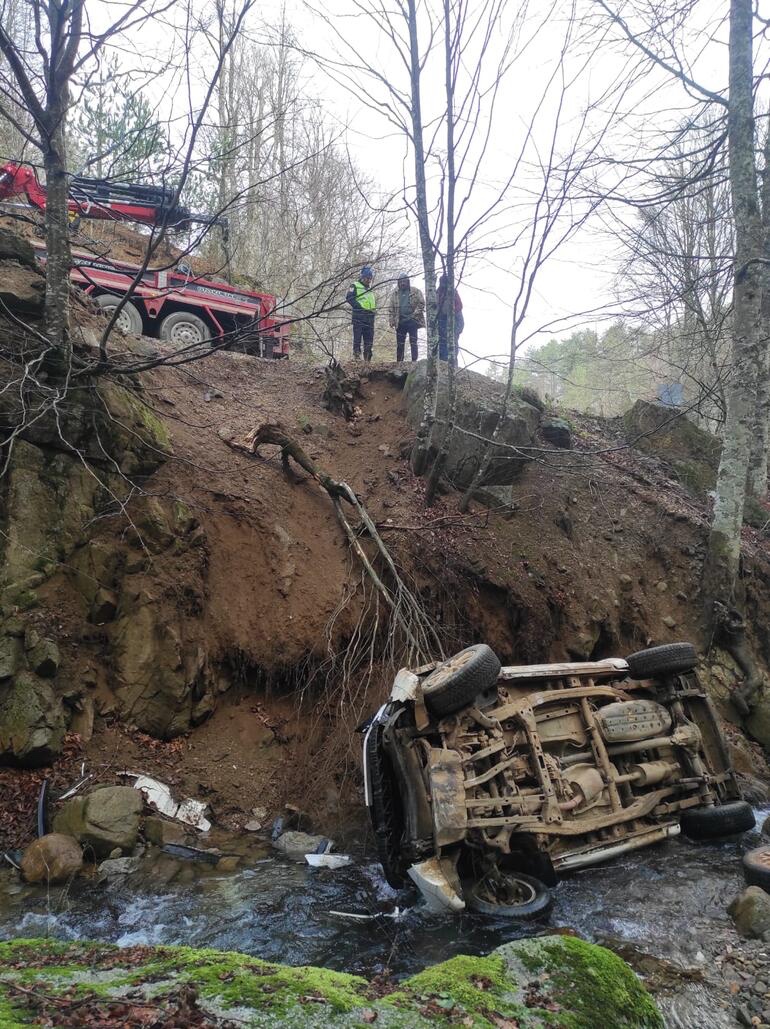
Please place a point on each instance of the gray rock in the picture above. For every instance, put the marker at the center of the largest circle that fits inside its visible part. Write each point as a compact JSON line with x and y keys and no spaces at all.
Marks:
{"x":11,"y":656}
{"x":296,"y":844}
{"x":117,"y":868}
{"x":32,"y":723}
{"x":43,"y":658}
{"x":477,"y":412}
{"x":556,"y":431}
{"x":53,"y":858}
{"x":103,"y":821}
{"x":751,"y":912}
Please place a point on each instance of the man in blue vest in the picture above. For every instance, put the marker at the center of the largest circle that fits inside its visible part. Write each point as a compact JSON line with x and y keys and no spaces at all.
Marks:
{"x":361,"y":299}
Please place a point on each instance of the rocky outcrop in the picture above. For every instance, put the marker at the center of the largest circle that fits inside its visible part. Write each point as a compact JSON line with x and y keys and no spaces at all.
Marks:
{"x":666,"y":433}
{"x":32,"y":721}
{"x":530,"y":984}
{"x":478,"y":408}
{"x":103,"y":821}
{"x":53,"y":858}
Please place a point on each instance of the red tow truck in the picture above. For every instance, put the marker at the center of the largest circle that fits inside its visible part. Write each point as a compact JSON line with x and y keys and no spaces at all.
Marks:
{"x":173,"y":304}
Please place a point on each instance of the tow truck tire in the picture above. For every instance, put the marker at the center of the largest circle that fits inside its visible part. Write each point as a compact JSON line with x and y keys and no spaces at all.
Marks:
{"x":458,"y":681}
{"x":536,"y":898}
{"x":129,"y":319}
{"x":710,"y":823}
{"x":670,"y":659}
{"x":184,"y":329}
{"x":756,"y":867}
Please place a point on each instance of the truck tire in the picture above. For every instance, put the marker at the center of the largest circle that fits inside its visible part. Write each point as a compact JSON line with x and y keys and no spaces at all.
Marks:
{"x":386,"y":811}
{"x":184,"y":329}
{"x":709,"y":823}
{"x":756,"y":867}
{"x":129,"y":320}
{"x":669,"y":659}
{"x":458,"y":681}
{"x":514,"y":895}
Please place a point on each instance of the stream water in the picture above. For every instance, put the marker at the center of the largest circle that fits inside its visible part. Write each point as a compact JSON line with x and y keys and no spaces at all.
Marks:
{"x":663,"y":908}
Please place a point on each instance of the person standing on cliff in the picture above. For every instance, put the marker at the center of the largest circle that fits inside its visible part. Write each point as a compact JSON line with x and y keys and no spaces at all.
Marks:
{"x":406,"y":313}
{"x":361,"y":299}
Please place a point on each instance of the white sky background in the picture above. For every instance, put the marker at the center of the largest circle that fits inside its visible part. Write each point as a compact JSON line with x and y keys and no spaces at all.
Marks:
{"x":579,"y":277}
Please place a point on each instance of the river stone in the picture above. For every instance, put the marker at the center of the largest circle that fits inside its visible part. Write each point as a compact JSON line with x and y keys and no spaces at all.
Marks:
{"x":54,"y":858}
{"x":160,"y":832}
{"x":751,"y":912}
{"x":32,"y":722}
{"x":103,"y":820}
{"x":117,"y":868}
{"x":296,"y":844}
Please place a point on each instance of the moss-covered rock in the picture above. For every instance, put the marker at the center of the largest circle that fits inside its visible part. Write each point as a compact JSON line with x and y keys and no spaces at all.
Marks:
{"x":664,"y":432}
{"x":550,"y":981}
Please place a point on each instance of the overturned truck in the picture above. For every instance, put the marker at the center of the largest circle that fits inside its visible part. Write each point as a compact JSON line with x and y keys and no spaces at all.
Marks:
{"x":485,"y":783}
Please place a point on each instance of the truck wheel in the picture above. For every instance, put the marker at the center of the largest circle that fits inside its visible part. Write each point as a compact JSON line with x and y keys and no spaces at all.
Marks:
{"x":510,"y":895}
{"x":183,"y":329}
{"x":129,"y":319}
{"x":756,"y":867}
{"x":669,"y":659}
{"x":459,"y":680}
{"x":709,"y":823}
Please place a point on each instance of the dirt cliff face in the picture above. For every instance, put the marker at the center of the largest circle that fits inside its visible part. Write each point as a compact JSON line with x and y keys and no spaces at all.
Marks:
{"x":201,"y":596}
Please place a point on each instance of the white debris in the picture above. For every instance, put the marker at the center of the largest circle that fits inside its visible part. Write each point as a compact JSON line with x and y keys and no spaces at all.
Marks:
{"x":328,"y":860}
{"x":192,"y":812}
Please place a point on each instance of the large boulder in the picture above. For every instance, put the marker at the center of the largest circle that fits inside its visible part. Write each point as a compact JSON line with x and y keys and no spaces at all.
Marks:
{"x":477,"y":413}
{"x":32,"y":722}
{"x":104,"y":820}
{"x":751,"y":912}
{"x":664,"y":432}
{"x":53,"y":858}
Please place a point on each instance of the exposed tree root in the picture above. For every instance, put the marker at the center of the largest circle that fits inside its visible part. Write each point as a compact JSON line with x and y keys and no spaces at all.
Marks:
{"x":730,"y":629}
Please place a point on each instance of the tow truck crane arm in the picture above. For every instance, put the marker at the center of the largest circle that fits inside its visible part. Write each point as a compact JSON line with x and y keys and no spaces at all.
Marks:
{"x":104,"y":199}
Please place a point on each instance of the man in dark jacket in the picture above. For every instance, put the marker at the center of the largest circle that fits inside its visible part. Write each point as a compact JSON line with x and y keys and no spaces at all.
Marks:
{"x":406,"y":313}
{"x":443,"y":303}
{"x":361,"y":299}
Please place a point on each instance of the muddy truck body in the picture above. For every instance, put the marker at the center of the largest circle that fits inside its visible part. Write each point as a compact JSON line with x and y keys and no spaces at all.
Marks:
{"x":485,"y":783}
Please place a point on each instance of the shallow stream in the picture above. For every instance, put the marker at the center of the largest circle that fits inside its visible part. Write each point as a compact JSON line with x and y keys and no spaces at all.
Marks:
{"x":663,"y":908}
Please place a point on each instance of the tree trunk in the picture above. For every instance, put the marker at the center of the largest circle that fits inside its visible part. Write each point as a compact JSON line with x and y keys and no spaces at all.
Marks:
{"x":723,"y":558}
{"x":449,"y":295}
{"x":58,"y":257}
{"x":422,"y":443}
{"x":757,"y":481}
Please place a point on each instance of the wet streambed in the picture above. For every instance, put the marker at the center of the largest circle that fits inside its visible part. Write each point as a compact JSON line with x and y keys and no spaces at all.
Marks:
{"x":667,"y":902}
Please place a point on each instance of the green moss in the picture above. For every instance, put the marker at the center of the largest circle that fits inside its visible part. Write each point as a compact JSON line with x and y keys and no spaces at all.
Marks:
{"x":551,"y":981}
{"x":588,"y":982}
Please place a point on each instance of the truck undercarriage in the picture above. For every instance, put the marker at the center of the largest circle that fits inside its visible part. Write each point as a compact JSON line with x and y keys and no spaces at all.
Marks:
{"x":474,"y":771}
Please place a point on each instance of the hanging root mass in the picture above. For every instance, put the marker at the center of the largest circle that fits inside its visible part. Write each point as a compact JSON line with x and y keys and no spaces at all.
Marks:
{"x":408,"y":617}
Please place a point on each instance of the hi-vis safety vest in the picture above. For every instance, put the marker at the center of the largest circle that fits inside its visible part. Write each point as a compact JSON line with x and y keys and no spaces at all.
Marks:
{"x":364,"y":296}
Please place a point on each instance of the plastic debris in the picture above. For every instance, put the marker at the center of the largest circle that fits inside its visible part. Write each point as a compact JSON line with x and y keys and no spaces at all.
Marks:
{"x":192,"y":812}
{"x":328,"y":860}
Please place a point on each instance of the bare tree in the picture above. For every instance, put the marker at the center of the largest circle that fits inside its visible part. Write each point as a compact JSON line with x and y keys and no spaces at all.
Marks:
{"x":39,"y":82}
